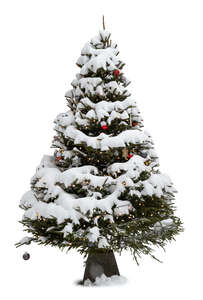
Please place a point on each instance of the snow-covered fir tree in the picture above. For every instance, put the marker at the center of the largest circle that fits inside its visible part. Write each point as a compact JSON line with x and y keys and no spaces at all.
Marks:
{"x":102,"y":188}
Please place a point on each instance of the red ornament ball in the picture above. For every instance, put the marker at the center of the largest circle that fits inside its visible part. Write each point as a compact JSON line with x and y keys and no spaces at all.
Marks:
{"x":104,"y":127}
{"x":130,"y":155}
{"x":59,"y":158}
{"x":116,"y":72}
{"x":134,"y":123}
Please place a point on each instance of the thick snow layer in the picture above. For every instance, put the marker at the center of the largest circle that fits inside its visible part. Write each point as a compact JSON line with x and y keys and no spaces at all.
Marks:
{"x":103,"y":243}
{"x":95,"y":56}
{"x":66,"y":205}
{"x":85,"y":87}
{"x":68,"y":229}
{"x":88,"y":86}
{"x":156,"y":183}
{"x":69,"y":206}
{"x":93,"y":234}
{"x":104,"y":59}
{"x":28,"y":199}
{"x":65,"y":119}
{"x":106,"y":109}
{"x":26,"y":240}
{"x":164,"y":224}
{"x":133,"y":167}
{"x":114,"y":87}
{"x":105,"y":142}
{"x":104,"y":34}
{"x":41,"y":209}
{"x":106,"y":281}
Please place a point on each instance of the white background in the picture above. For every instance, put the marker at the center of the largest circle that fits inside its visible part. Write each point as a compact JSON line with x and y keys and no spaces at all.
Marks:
{"x":162,"y":46}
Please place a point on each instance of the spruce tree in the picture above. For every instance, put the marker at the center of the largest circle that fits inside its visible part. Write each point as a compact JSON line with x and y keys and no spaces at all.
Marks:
{"x":102,"y":189}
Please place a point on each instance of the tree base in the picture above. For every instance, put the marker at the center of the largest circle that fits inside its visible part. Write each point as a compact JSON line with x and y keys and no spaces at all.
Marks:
{"x":99,"y":263}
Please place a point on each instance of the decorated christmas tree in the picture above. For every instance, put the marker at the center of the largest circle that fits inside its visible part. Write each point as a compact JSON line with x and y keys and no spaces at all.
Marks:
{"x":102,"y":191}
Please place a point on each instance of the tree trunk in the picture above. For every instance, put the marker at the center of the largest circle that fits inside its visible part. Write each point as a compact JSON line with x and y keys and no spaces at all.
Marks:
{"x":100,"y":262}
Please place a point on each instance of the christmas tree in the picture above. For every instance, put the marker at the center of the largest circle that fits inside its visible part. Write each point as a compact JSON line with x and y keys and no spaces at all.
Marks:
{"x":102,"y":190}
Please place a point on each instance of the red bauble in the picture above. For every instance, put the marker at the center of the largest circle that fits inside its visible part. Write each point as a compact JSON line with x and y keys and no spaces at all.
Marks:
{"x":104,"y":127}
{"x":59,"y":158}
{"x":130,"y":155}
{"x":134,"y":123}
{"x":116,"y":72}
